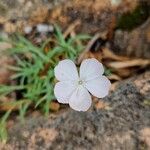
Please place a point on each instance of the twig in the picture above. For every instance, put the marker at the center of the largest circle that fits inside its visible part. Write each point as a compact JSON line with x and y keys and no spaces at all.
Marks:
{"x":89,"y":45}
{"x":71,"y":27}
{"x":73,"y":34}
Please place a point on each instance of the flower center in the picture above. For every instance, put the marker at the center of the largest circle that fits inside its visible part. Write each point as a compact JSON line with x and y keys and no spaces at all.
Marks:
{"x":80,"y":82}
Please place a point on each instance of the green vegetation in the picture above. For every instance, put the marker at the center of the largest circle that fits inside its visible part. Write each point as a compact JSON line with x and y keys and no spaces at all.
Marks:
{"x":34,"y":72}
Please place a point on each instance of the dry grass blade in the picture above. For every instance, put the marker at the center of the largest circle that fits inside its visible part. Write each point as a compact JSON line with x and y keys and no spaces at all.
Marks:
{"x":129,"y":63}
{"x":87,"y":49}
{"x":107,"y":54}
{"x":71,"y":28}
{"x":114,"y":77}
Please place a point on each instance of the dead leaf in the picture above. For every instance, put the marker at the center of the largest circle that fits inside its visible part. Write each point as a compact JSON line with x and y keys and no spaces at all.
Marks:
{"x":58,"y":15}
{"x":39,"y":15}
{"x":35,"y":113}
{"x":4,"y":46}
{"x":129,"y":63}
{"x":124,"y":73}
{"x":8,"y":106}
{"x":107,"y":54}
{"x":48,"y":135}
{"x":114,"y":77}
{"x":13,"y":105}
{"x":4,"y":99}
{"x":102,"y":105}
{"x":145,"y":136}
{"x":3,"y":20}
{"x":9,"y":27}
{"x":114,"y":86}
{"x":5,"y":60}
{"x":54,"y":106}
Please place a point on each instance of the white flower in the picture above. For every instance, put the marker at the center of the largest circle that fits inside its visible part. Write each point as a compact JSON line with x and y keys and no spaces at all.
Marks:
{"x":73,"y":89}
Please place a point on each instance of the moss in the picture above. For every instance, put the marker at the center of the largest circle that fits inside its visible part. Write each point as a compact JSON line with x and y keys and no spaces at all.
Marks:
{"x":131,"y":20}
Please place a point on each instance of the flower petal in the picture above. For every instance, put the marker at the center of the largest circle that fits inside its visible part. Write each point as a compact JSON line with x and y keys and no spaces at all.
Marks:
{"x":63,"y":91}
{"x":80,"y":99}
{"x":90,"y":69}
{"x":98,"y":87}
{"x":66,"y":70}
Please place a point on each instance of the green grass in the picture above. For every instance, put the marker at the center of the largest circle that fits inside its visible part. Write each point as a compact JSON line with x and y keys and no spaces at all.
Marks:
{"x":34,"y":72}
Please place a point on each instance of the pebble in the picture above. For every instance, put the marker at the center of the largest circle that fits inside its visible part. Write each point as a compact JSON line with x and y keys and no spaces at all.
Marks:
{"x":44,"y":28}
{"x":27,"y":29}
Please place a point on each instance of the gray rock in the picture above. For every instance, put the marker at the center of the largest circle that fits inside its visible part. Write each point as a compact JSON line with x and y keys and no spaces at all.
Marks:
{"x":125,"y":126}
{"x":135,"y":43}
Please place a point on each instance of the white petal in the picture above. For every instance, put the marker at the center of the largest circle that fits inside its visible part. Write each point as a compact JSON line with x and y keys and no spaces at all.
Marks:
{"x":98,"y":87}
{"x":66,"y":70}
{"x":63,"y":91}
{"x":90,"y":69}
{"x":80,"y":99}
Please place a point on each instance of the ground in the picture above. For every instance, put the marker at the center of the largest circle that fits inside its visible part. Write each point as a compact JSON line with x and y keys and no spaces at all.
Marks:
{"x":124,"y":124}
{"x":119,"y":121}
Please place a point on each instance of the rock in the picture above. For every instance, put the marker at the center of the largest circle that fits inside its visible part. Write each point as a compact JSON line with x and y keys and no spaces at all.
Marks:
{"x":125,"y":126}
{"x":135,"y":43}
{"x":44,"y":28}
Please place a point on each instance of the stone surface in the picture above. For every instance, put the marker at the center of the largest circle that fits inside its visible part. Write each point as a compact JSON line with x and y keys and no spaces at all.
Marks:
{"x":124,"y":126}
{"x":135,"y":43}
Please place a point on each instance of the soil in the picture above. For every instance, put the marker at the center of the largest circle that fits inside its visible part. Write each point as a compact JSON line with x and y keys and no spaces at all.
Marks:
{"x":125,"y":125}
{"x":93,"y":16}
{"x":89,"y":17}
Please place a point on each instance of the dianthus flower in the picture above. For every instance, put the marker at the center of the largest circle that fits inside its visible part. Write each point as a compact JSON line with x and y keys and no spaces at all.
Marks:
{"x":74,"y":89}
